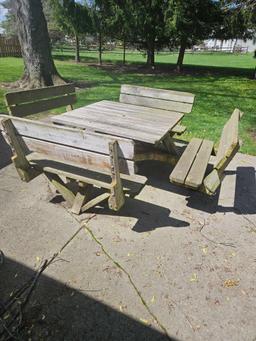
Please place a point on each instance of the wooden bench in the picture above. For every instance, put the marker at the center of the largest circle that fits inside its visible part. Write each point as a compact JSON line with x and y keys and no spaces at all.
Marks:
{"x":28,"y":102}
{"x":167,"y":101}
{"x":74,"y":161}
{"x":191,"y":169}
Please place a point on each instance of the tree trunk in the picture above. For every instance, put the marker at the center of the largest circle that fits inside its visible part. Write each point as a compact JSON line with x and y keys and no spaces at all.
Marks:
{"x":179,"y":64}
{"x":124,"y":50}
{"x":100,"y":48}
{"x":77,"y":49}
{"x":39,"y":68}
{"x":151,"y":54}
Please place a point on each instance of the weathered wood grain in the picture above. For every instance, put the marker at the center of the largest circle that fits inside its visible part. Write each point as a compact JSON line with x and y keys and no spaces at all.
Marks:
{"x":76,"y":156}
{"x":229,"y":140}
{"x":184,"y":164}
{"x":196,"y":173}
{"x":107,"y":128}
{"x":17,"y":97}
{"x":41,"y":105}
{"x":169,"y":95}
{"x":72,"y":137}
{"x":117,"y":198}
{"x":156,"y":103}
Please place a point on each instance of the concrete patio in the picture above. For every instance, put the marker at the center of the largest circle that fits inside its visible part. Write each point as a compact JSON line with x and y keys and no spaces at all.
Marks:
{"x":172,"y":264}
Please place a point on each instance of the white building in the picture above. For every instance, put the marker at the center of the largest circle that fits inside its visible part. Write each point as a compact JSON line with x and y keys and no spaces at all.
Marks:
{"x":231,"y":45}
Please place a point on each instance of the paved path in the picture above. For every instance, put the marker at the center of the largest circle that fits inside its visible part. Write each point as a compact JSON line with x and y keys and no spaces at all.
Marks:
{"x":171,"y":262}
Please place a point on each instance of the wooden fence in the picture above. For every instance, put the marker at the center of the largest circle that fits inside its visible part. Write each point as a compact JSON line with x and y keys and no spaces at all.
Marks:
{"x":9,"y":47}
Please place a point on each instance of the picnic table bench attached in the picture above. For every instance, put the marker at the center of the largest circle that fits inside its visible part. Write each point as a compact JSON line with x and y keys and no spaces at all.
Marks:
{"x":74,"y":160}
{"x":190,"y":171}
{"x":165,"y":100}
{"x":28,"y":102}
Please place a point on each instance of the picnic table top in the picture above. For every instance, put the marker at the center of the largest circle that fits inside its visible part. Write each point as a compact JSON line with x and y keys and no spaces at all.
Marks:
{"x":124,"y":120}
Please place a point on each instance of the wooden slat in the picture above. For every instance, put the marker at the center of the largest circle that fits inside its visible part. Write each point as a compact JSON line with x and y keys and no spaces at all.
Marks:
{"x":71,"y":137}
{"x":229,"y":139}
{"x":37,"y":94}
{"x":79,"y":157}
{"x":117,"y":198}
{"x":168,"y":95}
{"x":106,"y":128}
{"x":196,"y":173}
{"x":132,"y":183}
{"x":185,"y":162}
{"x":42,"y":105}
{"x":124,"y":121}
{"x":137,"y":113}
{"x":156,"y":103}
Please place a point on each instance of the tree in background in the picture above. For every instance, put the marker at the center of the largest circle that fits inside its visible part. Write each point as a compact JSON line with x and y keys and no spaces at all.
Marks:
{"x":190,"y":21}
{"x":73,"y":18}
{"x":100,"y":11}
{"x":39,"y":68}
{"x":8,"y":24}
{"x":149,"y":26}
{"x":120,"y":22}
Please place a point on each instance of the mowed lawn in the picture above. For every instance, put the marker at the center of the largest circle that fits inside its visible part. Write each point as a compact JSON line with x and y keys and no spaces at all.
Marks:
{"x":221,"y":82}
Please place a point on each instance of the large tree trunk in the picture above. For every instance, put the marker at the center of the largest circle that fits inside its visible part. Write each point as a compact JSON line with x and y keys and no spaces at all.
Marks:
{"x":77,"y":48}
{"x":179,"y":64}
{"x":39,"y":68}
{"x":151,"y":54}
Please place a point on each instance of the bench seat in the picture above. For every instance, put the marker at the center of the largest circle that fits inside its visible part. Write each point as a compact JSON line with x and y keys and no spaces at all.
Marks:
{"x":190,"y":170}
{"x":191,"y":167}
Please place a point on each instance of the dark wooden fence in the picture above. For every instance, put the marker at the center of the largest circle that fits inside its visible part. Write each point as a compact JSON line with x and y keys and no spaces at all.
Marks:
{"x":9,"y":47}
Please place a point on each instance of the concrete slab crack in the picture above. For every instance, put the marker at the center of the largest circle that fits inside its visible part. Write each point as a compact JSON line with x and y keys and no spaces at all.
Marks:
{"x":108,"y":255}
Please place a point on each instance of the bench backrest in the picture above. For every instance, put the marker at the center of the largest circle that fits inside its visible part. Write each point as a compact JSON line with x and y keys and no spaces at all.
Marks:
{"x":27,"y":102}
{"x":73,"y":146}
{"x":157,"y":98}
{"x":229,"y":141}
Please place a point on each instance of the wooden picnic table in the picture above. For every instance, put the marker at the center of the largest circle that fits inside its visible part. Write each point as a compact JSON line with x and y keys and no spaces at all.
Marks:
{"x":145,"y":126}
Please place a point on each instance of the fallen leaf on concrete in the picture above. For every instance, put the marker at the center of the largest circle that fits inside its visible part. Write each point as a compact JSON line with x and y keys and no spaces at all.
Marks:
{"x":229,"y":283}
{"x":152,"y":299}
{"x":144,"y":321}
{"x":194,"y":278}
{"x":205,"y":250}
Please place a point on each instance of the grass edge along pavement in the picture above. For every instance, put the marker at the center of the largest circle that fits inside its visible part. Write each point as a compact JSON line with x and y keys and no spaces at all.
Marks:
{"x":218,"y":88}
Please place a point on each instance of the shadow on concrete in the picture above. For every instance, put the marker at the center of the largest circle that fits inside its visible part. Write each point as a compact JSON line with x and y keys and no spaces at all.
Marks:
{"x":5,"y":153}
{"x":149,"y":216}
{"x":58,"y":312}
{"x":245,"y":189}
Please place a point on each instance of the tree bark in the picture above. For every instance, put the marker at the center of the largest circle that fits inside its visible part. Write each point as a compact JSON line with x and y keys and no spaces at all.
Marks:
{"x":124,"y":51}
{"x":77,"y":48}
{"x":179,"y":64}
{"x":100,"y":48}
{"x":151,"y":54}
{"x":39,"y":68}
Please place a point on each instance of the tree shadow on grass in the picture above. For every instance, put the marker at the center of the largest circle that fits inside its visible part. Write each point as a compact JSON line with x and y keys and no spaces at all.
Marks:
{"x":58,"y":312}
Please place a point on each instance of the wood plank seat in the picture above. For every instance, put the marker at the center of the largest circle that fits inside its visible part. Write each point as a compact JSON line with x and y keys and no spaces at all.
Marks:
{"x":168,"y":100}
{"x":28,"y":102}
{"x":191,"y":169}
{"x":84,"y":159}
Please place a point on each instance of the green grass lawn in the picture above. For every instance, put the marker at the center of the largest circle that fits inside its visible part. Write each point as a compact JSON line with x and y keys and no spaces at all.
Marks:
{"x":221,"y":82}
